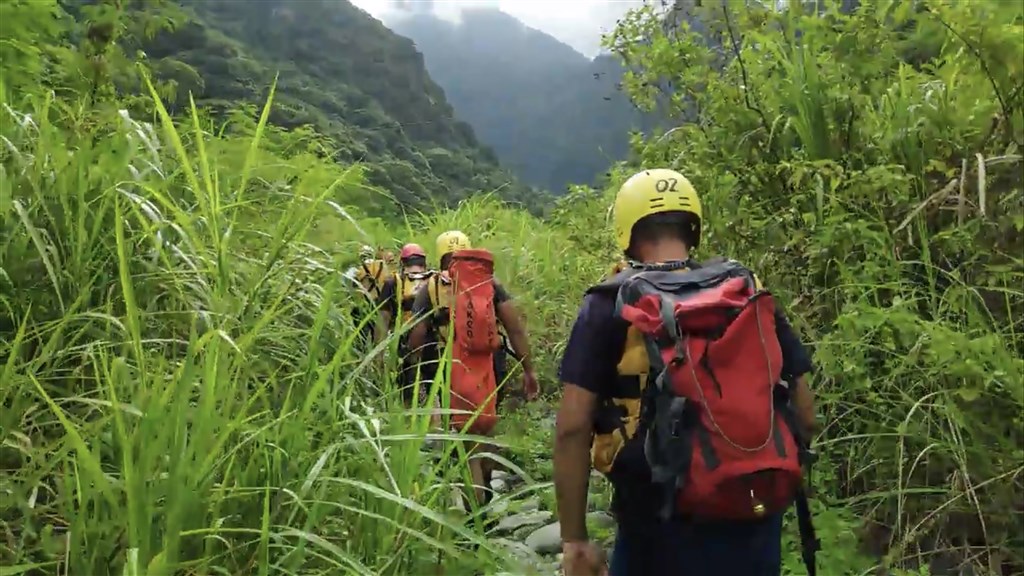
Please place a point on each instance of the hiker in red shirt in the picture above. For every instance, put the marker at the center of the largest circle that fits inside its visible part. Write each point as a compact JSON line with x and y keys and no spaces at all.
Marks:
{"x":462,"y":307}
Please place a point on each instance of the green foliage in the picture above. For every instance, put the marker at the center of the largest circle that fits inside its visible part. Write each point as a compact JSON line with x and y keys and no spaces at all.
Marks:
{"x":344,"y":75}
{"x":181,"y":388}
{"x":867,"y":163}
{"x":30,"y":26}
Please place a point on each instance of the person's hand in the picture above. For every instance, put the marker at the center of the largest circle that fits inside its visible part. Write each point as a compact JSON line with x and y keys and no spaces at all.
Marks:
{"x":583,"y":559}
{"x":530,"y":385}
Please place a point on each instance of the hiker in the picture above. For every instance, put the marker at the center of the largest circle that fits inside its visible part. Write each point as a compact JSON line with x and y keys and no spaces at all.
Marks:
{"x":369,"y":274}
{"x":395,"y":303}
{"x":467,"y":296}
{"x":682,"y":502}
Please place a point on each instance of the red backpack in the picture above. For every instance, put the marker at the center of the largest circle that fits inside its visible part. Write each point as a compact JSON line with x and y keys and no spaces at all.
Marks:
{"x":473,"y":328}
{"x":720,"y":434}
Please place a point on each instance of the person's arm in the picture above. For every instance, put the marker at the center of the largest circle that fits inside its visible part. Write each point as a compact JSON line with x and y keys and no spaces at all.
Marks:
{"x":421,"y":313}
{"x":796,"y":365}
{"x":584,"y":371}
{"x":515,"y":326}
{"x":574,"y":429}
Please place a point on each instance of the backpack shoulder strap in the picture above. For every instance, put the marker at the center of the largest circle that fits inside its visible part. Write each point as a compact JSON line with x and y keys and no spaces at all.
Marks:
{"x":611,"y":285}
{"x":723,"y":261}
{"x":374,"y":269}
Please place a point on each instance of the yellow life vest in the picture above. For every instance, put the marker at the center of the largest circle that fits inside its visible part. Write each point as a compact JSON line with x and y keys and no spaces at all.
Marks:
{"x":616,"y":268}
{"x":371,"y":275}
{"x":406,"y":286}
{"x":439,"y":288}
{"x":622,"y":413}
{"x":619,"y":416}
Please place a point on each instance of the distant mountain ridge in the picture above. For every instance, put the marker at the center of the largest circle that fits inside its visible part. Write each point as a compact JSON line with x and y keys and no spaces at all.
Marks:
{"x":553,"y":116}
{"x":347,"y":75}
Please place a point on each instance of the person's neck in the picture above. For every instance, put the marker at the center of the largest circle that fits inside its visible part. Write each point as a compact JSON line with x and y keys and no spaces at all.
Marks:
{"x":668,"y":251}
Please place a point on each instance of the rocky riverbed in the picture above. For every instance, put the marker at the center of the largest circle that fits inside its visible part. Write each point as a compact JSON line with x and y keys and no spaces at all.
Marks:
{"x":525,"y":525}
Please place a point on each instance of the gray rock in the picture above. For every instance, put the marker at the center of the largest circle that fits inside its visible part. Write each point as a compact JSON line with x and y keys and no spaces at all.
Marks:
{"x":546,"y":539}
{"x":455,"y":500}
{"x":521,"y":533}
{"x":600,"y":520}
{"x":499,"y":507}
{"x":531,"y":504}
{"x":529,"y":561}
{"x":499,"y":485}
{"x":516,"y":521}
{"x":517,"y":549}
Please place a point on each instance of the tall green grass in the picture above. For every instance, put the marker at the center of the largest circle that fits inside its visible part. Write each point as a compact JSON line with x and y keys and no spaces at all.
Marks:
{"x":182,"y":388}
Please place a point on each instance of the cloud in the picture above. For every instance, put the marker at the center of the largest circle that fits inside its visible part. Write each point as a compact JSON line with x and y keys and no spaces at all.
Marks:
{"x":413,"y":5}
{"x":578,"y":23}
{"x":450,"y":10}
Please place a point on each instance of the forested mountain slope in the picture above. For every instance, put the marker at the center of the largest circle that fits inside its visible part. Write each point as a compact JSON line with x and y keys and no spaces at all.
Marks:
{"x":342,"y":72}
{"x":553,"y":116}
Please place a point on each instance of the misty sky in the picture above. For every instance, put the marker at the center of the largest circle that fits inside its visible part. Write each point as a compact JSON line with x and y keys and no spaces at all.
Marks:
{"x":578,"y":23}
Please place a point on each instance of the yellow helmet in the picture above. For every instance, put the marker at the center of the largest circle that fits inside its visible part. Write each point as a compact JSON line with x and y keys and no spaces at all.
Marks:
{"x":653,"y":192}
{"x":451,"y":241}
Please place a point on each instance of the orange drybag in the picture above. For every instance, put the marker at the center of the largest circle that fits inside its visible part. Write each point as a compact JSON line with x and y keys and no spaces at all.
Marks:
{"x":474,"y":330}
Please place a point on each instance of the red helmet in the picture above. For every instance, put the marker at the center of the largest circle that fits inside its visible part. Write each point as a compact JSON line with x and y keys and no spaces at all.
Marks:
{"x":411,"y":251}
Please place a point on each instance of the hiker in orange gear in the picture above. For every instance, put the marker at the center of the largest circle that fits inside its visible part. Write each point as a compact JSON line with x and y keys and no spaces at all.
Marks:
{"x":685,"y":385}
{"x":395,"y":303}
{"x":465,"y":304}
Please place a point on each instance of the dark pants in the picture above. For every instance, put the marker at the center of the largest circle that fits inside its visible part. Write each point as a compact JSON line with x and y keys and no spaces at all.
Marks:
{"x":427,"y":369}
{"x":365,"y":338}
{"x":407,"y":381}
{"x":679,"y":548}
